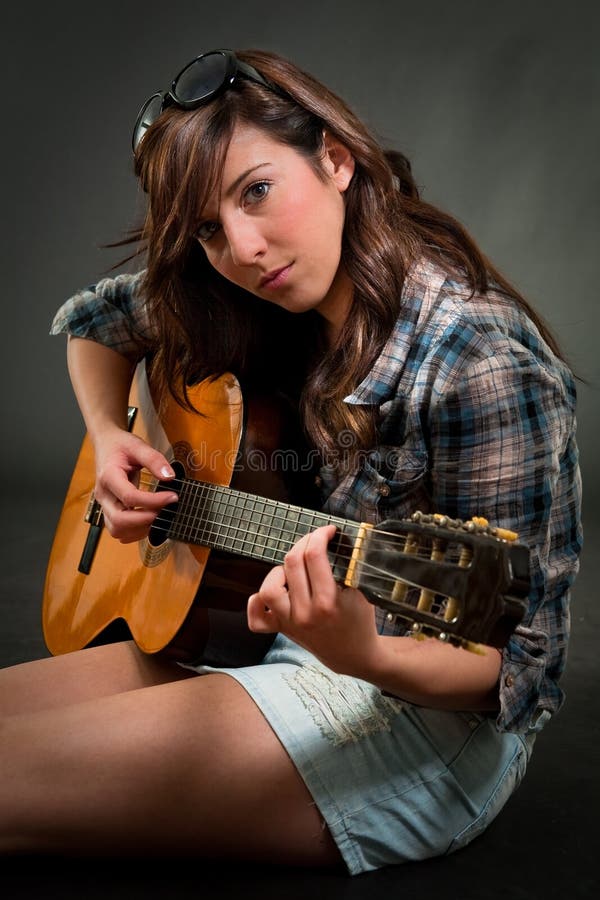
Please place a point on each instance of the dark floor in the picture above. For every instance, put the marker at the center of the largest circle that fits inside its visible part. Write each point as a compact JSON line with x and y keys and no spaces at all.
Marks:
{"x":543,"y":845}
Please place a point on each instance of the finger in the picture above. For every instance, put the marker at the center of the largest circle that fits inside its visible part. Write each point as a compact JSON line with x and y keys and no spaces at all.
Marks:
{"x":314,"y":543}
{"x":114,"y":484}
{"x":152,"y":501}
{"x":261,"y":618}
{"x":269,"y":608}
{"x":318,"y":565}
{"x":308,"y":573}
{"x":274,"y":585}
{"x":127,"y":525}
{"x":154,"y":461}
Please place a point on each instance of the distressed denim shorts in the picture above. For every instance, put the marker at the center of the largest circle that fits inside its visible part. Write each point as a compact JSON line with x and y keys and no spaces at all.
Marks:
{"x":394,"y":782}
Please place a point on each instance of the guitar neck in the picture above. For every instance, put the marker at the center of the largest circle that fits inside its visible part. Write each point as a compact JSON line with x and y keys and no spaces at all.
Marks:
{"x":244,"y":524}
{"x":470,"y":579}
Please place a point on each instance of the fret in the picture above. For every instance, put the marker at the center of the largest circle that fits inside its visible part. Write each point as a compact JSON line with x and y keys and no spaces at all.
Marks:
{"x":292,"y":521}
{"x":197,"y":523}
{"x":254,"y":507}
{"x":289,"y":531}
{"x":250,"y":516}
{"x":244,"y":524}
{"x":340,"y":548}
{"x":272,"y":519}
{"x":256,"y":527}
{"x":251,"y":513}
{"x":238,"y":544}
{"x":186,"y":500}
{"x":198,"y":533}
{"x":222,"y":527}
{"x":257,"y":535}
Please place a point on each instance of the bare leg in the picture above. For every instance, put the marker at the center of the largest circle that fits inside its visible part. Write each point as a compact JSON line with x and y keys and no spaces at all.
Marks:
{"x":82,"y":675}
{"x":189,"y":766}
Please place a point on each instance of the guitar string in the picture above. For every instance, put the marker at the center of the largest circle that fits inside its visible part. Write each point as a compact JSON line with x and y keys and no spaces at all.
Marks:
{"x":374,"y":571}
{"x":231,"y":528}
{"x":187,"y":518}
{"x":189,"y":524}
{"x":380,"y":538}
{"x":236,"y":532}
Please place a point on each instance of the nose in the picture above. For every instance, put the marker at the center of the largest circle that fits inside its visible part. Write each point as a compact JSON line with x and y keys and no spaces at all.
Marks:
{"x":246,"y":241}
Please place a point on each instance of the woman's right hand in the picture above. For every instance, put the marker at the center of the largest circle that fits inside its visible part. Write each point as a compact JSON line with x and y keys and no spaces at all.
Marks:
{"x":129,"y":511}
{"x":101,"y":379}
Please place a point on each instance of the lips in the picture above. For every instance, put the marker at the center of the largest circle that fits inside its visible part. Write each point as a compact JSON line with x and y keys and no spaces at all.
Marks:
{"x":275,"y":278}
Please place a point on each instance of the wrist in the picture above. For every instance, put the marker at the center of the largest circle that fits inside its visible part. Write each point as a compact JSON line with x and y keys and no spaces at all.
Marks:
{"x":106,"y":430}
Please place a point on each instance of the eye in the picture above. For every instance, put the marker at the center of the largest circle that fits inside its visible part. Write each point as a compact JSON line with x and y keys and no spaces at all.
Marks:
{"x":256,"y":192}
{"x":207,"y":230}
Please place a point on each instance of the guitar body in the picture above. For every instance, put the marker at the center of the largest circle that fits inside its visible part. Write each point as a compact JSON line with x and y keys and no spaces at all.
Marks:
{"x":177,"y":599}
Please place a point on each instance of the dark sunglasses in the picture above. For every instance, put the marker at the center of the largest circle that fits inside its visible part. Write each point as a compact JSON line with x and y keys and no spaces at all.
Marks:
{"x":202,"y":79}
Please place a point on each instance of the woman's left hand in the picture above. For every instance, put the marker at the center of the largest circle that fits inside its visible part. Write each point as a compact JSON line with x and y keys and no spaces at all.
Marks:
{"x":302,"y":600}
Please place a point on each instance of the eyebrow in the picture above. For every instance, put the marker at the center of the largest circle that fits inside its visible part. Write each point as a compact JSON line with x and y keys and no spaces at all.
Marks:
{"x":235,"y":184}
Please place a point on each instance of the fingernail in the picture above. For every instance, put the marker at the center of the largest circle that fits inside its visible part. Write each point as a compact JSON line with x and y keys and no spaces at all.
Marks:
{"x":167,"y":472}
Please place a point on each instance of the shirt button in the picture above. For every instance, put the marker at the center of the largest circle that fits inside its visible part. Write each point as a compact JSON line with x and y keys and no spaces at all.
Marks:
{"x":384,"y":490}
{"x":509,"y":681}
{"x":318,"y":481}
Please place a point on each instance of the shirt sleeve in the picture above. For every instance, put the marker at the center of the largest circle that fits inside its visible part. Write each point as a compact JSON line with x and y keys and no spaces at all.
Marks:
{"x":503,"y":445}
{"x":112,"y":312}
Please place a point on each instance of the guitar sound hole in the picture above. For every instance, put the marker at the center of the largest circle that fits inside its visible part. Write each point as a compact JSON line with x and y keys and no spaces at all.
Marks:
{"x":159,"y":530}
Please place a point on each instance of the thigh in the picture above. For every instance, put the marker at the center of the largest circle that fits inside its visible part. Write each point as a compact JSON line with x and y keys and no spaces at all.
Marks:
{"x":81,"y":675}
{"x":183,"y":767}
{"x":395,"y":783}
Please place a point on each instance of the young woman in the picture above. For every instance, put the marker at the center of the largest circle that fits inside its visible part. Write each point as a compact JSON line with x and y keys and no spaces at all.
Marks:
{"x":283,"y":245}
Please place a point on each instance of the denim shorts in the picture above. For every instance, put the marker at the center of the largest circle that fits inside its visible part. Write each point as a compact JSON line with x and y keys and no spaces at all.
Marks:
{"x":393,"y":782}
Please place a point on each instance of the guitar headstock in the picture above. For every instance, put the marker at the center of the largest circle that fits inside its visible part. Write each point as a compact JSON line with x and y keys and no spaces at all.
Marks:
{"x":462,"y":582}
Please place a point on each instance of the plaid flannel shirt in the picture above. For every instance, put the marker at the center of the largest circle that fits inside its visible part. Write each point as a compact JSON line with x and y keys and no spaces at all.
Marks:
{"x":476,"y":417}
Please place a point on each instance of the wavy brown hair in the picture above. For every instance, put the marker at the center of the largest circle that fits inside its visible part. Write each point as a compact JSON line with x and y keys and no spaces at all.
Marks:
{"x":207,"y":326}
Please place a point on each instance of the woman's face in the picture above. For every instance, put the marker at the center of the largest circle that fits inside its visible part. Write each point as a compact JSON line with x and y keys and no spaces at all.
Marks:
{"x":276,"y":227}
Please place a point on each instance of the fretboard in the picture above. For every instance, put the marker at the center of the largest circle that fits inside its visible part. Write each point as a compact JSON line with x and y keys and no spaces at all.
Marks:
{"x":222,"y":518}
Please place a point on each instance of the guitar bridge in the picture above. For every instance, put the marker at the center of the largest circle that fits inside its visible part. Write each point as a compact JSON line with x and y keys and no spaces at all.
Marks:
{"x":93,"y":513}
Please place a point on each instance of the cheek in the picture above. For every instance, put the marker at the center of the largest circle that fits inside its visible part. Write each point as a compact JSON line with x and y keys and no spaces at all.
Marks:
{"x":313,"y":216}
{"x":292,"y":219}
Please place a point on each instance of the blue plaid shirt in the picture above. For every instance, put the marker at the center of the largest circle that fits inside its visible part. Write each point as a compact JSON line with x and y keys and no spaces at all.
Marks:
{"x":476,"y":418}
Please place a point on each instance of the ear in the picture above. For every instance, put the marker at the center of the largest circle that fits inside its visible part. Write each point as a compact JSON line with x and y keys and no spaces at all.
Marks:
{"x":338,"y":161}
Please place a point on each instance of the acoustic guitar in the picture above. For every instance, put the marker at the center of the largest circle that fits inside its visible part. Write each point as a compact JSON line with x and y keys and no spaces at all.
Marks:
{"x":181,"y":591}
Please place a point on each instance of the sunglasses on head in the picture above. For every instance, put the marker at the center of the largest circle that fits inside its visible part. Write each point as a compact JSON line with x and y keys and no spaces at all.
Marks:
{"x":202,"y":79}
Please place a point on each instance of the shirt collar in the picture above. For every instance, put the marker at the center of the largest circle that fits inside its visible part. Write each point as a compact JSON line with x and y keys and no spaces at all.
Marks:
{"x":422,"y":286}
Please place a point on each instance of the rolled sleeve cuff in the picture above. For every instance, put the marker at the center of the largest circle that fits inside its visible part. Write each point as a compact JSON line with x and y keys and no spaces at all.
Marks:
{"x":525,"y":702}
{"x":110,"y":313}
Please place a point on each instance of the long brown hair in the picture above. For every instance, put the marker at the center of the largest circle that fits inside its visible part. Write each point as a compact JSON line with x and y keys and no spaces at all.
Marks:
{"x":207,"y":326}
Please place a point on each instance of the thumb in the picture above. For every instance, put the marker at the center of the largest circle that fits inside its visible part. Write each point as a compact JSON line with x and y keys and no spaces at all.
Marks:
{"x":156,"y":463}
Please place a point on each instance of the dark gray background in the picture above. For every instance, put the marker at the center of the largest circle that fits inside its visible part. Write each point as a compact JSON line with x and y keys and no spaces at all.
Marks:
{"x":495,"y":103}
